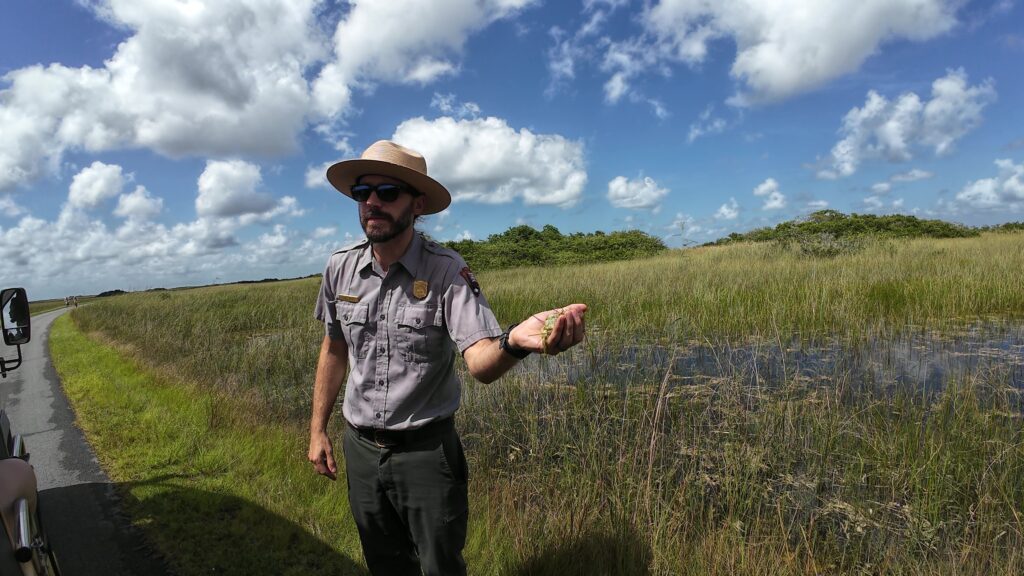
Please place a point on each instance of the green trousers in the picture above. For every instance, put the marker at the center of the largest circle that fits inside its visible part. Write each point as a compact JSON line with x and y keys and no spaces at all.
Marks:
{"x":410,"y":503}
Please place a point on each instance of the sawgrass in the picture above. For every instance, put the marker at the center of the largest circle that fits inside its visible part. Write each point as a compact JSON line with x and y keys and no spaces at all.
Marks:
{"x":583,"y":471}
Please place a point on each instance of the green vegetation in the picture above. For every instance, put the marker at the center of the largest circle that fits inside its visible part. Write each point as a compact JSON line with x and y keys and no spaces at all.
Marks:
{"x":614,"y":458}
{"x":835,"y":225}
{"x":525,"y":246}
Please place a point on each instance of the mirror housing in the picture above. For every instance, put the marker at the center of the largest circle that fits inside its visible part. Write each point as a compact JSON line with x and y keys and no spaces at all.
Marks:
{"x":15,"y":316}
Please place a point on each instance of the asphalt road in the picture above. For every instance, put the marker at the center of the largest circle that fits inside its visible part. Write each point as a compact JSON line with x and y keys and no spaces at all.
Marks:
{"x":80,"y":505}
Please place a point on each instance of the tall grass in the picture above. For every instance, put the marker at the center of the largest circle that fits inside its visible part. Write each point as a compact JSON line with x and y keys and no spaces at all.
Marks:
{"x":619,"y":470}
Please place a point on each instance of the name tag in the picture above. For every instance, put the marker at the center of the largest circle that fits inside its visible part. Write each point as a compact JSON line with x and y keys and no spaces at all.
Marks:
{"x":347,"y":298}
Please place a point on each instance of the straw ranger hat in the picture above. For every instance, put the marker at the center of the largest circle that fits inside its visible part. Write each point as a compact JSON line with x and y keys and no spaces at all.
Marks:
{"x":385,"y":158}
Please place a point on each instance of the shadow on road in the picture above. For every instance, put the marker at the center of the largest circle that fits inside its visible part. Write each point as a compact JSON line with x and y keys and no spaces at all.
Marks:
{"x":256,"y":542}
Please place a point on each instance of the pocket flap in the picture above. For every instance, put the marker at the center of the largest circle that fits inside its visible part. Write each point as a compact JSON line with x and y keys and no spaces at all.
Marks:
{"x":349,"y":313}
{"x":420,"y":316}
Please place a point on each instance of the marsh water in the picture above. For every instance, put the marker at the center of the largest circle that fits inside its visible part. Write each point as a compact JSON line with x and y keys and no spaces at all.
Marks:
{"x":915,"y":360}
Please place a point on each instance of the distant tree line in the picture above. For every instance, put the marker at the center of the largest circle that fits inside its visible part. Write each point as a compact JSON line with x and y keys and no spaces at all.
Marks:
{"x":526,"y":246}
{"x":836,"y":225}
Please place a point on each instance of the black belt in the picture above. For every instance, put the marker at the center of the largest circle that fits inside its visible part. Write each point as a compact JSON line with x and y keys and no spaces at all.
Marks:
{"x":392,"y":438}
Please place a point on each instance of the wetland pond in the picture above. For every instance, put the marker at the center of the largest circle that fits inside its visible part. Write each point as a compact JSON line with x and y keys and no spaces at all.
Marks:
{"x":912,"y":360}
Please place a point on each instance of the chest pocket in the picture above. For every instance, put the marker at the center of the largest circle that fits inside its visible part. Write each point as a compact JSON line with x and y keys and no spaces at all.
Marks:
{"x":422,"y":332}
{"x":353,"y":324}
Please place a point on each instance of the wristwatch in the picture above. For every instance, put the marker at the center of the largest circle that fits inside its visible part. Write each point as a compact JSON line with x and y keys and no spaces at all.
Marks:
{"x":504,"y":345}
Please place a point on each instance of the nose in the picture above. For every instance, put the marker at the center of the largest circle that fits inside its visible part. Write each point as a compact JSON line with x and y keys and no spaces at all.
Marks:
{"x":374,"y":201}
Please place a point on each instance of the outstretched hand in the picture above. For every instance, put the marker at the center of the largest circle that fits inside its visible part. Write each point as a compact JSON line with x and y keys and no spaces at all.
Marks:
{"x":552,"y":331}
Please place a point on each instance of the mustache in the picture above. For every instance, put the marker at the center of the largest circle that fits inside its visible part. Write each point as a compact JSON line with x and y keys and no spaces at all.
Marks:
{"x":368,"y":213}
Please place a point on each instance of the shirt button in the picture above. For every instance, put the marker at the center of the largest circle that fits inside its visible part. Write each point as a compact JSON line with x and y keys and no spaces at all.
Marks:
{"x":381,"y":316}
{"x":380,"y":350}
{"x":380,"y":383}
{"x":378,"y":415}
{"x":417,"y":320}
{"x":346,"y":316}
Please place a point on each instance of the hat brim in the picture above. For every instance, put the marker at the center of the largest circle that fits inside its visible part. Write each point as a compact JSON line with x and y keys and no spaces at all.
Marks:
{"x":345,"y":173}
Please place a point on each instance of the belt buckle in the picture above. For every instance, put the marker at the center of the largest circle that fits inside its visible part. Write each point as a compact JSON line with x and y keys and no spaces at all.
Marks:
{"x":379,"y":439}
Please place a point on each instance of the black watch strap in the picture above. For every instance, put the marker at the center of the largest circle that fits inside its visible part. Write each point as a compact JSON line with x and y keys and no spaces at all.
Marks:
{"x":504,"y":345}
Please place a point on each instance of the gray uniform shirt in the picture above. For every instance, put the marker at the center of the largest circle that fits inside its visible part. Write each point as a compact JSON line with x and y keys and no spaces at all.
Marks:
{"x":402,"y":329}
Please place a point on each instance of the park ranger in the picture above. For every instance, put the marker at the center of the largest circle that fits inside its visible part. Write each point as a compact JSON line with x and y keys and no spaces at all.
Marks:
{"x":397,"y":306}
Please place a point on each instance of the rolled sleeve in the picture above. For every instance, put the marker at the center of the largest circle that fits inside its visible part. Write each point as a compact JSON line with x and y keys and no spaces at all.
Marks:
{"x":467,"y":314}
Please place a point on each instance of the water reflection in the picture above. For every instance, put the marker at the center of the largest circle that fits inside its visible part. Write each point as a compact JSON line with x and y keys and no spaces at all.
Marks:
{"x":911,"y":360}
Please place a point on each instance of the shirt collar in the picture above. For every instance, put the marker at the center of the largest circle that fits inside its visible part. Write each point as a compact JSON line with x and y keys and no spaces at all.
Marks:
{"x":410,"y":260}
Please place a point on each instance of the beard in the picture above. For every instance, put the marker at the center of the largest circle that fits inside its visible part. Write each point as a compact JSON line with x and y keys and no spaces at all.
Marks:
{"x":387,"y":229}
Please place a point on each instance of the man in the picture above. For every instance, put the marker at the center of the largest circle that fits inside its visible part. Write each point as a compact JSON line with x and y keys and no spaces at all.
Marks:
{"x":396,"y":308}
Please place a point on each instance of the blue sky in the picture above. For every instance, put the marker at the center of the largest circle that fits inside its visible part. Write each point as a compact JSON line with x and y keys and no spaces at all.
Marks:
{"x":149,"y":143}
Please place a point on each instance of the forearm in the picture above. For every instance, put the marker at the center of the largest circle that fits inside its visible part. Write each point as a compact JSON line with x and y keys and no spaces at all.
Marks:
{"x":330,"y":375}
{"x":488,"y":362}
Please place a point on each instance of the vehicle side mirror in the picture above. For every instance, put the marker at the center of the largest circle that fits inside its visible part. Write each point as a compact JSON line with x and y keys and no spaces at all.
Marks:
{"x":14,"y":316}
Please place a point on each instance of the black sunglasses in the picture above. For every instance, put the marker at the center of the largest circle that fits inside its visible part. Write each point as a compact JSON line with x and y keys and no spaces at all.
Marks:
{"x":385,"y":192}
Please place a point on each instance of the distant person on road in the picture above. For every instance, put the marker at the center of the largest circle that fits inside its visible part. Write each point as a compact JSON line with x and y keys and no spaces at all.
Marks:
{"x":397,"y":306}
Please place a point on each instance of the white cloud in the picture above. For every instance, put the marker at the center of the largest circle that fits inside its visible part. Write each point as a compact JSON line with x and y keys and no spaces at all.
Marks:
{"x":728,"y":211}
{"x":912,"y":176}
{"x":316,"y":176}
{"x":706,"y":124}
{"x":465,"y":235}
{"x":94,"y":184}
{"x":815,"y":205}
{"x":485,"y":160}
{"x":891,"y":129}
{"x":449,"y":105}
{"x":324,"y":232}
{"x":642,"y":193}
{"x":881,"y":188}
{"x":80,"y":253}
{"x":228,"y":188}
{"x":402,"y":41}
{"x":775,"y":199}
{"x":1003,"y":192}
{"x":873,"y":203}
{"x":790,"y":46}
{"x":191,"y":78}
{"x":138,"y":205}
{"x":10,"y":208}
{"x":568,"y":49}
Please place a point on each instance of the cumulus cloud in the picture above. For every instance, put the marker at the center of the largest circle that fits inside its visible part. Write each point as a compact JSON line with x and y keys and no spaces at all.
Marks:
{"x":81,"y":252}
{"x":1005,"y":191}
{"x":728,"y":211}
{"x":642,"y":193}
{"x":486,"y":160}
{"x":94,"y":184}
{"x":815,"y":205}
{"x":316,"y":176}
{"x":402,"y":41}
{"x":785,"y":48}
{"x":892,"y":129}
{"x":773,"y":198}
{"x":880,"y":188}
{"x":195,"y":78}
{"x":229,"y":188}
{"x":139,"y":205}
{"x":10,"y":208}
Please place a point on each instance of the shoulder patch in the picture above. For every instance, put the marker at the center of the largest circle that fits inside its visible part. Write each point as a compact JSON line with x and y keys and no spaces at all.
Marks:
{"x":470,"y":279}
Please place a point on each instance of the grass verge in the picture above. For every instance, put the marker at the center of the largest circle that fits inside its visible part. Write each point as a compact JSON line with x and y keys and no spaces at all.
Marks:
{"x":216,"y":491}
